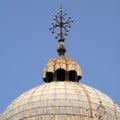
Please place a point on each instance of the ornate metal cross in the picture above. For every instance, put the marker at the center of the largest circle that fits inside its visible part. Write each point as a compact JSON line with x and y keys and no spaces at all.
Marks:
{"x":62,"y":23}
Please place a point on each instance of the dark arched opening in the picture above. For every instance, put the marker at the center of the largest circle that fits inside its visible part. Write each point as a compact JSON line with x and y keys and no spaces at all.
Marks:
{"x":49,"y":76}
{"x":72,"y":75}
{"x":60,"y":73}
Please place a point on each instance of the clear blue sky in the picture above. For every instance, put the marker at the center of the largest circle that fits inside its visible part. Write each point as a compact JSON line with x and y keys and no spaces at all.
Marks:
{"x":26,"y":44}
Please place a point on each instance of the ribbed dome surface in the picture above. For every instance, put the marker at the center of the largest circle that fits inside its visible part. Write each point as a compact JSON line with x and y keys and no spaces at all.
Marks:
{"x":62,"y":101}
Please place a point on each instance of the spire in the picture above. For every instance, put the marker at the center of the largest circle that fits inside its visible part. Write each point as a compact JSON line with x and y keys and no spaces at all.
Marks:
{"x":61,"y":68}
{"x":62,"y":22}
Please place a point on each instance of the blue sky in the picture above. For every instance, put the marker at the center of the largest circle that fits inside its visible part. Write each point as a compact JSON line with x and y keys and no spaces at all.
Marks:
{"x":26,"y":44}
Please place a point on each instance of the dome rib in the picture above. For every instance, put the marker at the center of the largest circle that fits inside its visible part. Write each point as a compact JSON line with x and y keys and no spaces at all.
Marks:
{"x":89,"y":100}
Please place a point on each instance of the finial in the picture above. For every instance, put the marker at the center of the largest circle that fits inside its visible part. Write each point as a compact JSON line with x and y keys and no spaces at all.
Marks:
{"x":62,"y":23}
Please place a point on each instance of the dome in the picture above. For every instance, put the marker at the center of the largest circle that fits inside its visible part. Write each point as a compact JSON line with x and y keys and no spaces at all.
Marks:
{"x":62,"y":101}
{"x":62,"y":97}
{"x":62,"y":68}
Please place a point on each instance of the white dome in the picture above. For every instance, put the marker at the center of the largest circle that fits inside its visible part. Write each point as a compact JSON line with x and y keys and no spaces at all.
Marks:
{"x":62,"y":101}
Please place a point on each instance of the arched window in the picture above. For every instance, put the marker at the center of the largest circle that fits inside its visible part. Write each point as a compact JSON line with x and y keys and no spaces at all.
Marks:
{"x":60,"y":73}
{"x":49,"y":76}
{"x":72,"y":75}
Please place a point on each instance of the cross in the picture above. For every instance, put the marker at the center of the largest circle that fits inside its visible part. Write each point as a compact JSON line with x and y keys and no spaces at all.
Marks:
{"x":62,"y":23}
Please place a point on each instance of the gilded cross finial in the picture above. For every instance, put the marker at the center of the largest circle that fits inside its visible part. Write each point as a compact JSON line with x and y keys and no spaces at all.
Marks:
{"x":62,"y":23}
